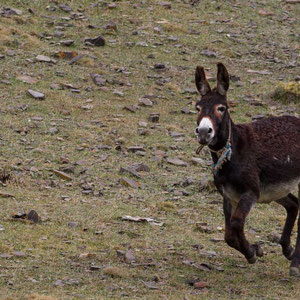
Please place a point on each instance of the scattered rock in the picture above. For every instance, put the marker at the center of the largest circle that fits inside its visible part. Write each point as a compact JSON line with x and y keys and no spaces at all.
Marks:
{"x":130,"y":170}
{"x":185,"y":110}
{"x":196,"y":161}
{"x":52,"y":130}
{"x":67,"y":42}
{"x":141,"y":167}
{"x":59,"y":283}
{"x":131,"y":108}
{"x":72,"y":224}
{"x":19,"y":254}
{"x":62,"y":175}
{"x":27,"y":79}
{"x":98,"y":79}
{"x":176,"y":162}
{"x":130,"y":183}
{"x":145,"y":102}
{"x":97,"y":41}
{"x":159,"y":67}
{"x":33,"y":216}
{"x":142,"y":220}
{"x":136,"y":148}
{"x":43,"y":58}
{"x":95,"y":268}
{"x":118,"y":93}
{"x":201,"y":285}
{"x":208,"y":53}
{"x":150,"y":285}
{"x":129,"y":257}
{"x":65,"y":7}
{"x":167,"y":5}
{"x":274,"y":237}
{"x":154,"y":117}
{"x":36,"y":94}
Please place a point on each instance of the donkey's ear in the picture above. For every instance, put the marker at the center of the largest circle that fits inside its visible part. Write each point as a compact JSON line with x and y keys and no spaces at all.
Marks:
{"x":222,"y":79}
{"x":201,"y":81}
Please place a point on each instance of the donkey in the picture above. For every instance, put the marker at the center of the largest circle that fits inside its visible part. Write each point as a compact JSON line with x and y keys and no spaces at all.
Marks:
{"x":257,"y":162}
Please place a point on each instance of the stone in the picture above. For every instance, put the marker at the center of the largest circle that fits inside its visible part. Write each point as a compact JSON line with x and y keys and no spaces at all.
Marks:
{"x":72,"y":224}
{"x":142,"y":44}
{"x":36,"y":94}
{"x":136,"y":148}
{"x":167,"y":5}
{"x":208,"y":53}
{"x":176,"y":162}
{"x":140,"y":167}
{"x":118,"y":93}
{"x":67,"y":42}
{"x":98,"y":41}
{"x":129,"y":257}
{"x":95,"y":268}
{"x":33,"y":216}
{"x":196,"y":161}
{"x":143,"y":124}
{"x":98,"y":79}
{"x":175,"y":134}
{"x":131,"y":108}
{"x":52,"y":130}
{"x":65,"y":7}
{"x":63,"y":175}
{"x":27,"y":79}
{"x":154,"y":117}
{"x":201,"y":285}
{"x":19,"y":254}
{"x":185,"y":110}
{"x":130,"y":170}
{"x":145,"y":102}
{"x":159,"y":66}
{"x":130,"y":183}
{"x":44,"y":58}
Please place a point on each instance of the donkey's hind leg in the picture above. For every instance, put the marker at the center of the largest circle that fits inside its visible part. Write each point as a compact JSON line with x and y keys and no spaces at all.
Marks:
{"x":294,"y":268}
{"x":290,"y":203}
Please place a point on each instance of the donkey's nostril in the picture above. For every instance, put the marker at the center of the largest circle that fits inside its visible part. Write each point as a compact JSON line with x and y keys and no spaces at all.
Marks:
{"x":209,"y":130}
{"x":196,"y":130}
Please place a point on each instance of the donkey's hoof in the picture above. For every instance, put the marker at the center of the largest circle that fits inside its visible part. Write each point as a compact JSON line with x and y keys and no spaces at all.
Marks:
{"x":289,"y":253}
{"x":252,"y":260}
{"x":294,"y":271}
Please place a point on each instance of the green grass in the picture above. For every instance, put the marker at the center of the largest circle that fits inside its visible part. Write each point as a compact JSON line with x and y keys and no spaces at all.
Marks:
{"x":243,"y":40}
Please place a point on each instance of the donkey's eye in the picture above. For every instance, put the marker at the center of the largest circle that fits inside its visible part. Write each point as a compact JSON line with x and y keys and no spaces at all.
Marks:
{"x":221,"y":109}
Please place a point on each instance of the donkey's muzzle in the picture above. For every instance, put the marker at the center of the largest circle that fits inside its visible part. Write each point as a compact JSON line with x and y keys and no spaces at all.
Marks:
{"x":204,"y":135}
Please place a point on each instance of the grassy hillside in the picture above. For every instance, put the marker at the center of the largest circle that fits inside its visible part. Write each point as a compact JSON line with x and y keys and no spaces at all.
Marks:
{"x":62,"y":155}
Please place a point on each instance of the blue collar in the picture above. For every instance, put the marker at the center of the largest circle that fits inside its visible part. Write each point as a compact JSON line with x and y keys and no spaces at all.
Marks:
{"x":224,"y":156}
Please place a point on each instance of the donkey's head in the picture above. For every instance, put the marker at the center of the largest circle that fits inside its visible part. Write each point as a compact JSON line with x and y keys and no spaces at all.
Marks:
{"x":213,"y":116}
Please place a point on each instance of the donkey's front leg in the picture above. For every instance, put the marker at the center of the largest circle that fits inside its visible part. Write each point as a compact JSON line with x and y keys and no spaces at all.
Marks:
{"x":237,"y":222}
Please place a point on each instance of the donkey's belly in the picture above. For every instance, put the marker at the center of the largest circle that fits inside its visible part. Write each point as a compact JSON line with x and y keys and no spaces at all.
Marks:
{"x":277,"y":191}
{"x":268,"y":193}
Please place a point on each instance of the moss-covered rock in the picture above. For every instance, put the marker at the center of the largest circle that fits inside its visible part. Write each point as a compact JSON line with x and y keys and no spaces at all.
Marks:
{"x":287,"y":92}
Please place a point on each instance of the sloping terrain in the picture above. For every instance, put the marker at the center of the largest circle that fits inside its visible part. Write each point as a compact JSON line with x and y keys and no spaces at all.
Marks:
{"x":110,"y":135}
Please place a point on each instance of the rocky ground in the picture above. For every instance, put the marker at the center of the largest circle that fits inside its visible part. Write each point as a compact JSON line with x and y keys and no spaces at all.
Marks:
{"x":102,"y":195}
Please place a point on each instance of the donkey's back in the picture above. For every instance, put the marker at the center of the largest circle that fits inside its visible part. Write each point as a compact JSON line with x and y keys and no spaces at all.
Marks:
{"x":275,"y":145}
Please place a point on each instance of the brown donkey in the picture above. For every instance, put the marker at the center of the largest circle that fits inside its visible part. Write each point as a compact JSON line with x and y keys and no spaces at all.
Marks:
{"x":257,"y":162}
